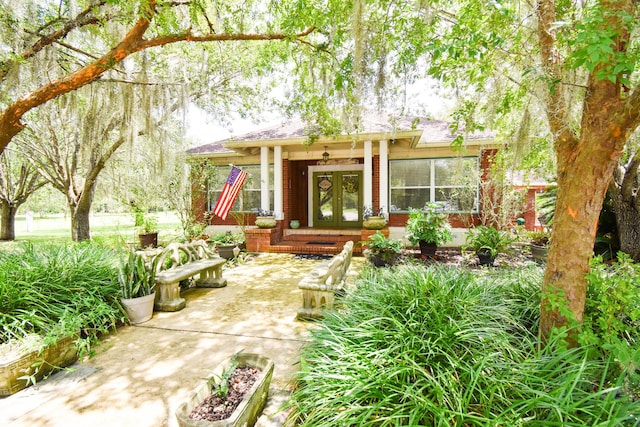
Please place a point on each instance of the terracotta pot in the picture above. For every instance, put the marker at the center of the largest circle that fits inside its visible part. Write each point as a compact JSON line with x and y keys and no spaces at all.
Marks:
{"x":148,"y":240}
{"x":247,"y":413}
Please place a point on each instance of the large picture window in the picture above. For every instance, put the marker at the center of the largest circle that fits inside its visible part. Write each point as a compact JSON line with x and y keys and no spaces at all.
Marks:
{"x":453,"y":183}
{"x":249,"y":198}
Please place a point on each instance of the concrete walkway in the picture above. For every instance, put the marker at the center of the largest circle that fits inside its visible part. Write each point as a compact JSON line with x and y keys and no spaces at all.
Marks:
{"x":140,"y":374}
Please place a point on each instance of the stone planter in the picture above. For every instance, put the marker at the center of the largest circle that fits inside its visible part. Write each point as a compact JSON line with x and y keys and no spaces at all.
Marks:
{"x":227,"y":251}
{"x":58,"y":355}
{"x":539,"y":253}
{"x":265,"y":222}
{"x":139,"y":309}
{"x":251,"y":406}
{"x":374,"y":223}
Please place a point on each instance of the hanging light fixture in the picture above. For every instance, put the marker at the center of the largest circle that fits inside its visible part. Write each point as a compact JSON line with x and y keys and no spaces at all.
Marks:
{"x":325,"y":155}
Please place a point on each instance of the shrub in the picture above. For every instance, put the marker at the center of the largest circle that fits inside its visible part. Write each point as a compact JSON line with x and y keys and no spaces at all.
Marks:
{"x":442,"y":347}
{"x":58,"y":290}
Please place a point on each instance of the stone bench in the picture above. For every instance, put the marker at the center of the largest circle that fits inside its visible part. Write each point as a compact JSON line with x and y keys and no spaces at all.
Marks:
{"x":181,"y":261}
{"x":320,"y":286}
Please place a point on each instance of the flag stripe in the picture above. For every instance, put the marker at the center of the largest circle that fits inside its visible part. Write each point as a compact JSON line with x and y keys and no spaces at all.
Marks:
{"x":229,"y":192}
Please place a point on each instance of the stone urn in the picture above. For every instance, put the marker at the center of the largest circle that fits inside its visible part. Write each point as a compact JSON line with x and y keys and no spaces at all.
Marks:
{"x":374,"y":223}
{"x":266,"y":221}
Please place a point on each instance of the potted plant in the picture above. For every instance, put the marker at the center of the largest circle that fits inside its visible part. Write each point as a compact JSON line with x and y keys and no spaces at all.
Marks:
{"x":539,"y":244}
{"x":487,"y":242}
{"x":228,"y":244}
{"x":373,"y":220}
{"x":148,"y":231}
{"x":218,"y":385}
{"x":428,"y":228}
{"x":265,"y":219}
{"x":383,"y":251}
{"x":137,"y":285}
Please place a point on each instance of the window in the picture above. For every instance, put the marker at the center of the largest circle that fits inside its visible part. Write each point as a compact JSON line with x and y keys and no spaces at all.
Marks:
{"x":249,"y":198}
{"x":450,"y":182}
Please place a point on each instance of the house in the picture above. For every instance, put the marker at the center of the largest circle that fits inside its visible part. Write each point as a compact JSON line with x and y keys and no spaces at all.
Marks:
{"x":388,"y":165}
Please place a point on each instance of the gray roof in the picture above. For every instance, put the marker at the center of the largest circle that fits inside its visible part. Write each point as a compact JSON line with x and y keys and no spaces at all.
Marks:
{"x":432,"y":131}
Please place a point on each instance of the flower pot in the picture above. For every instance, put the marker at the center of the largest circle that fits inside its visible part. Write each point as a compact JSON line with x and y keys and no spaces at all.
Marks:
{"x":539,"y":253}
{"x":226,"y":251}
{"x":294,"y":224}
{"x":139,"y":309}
{"x":486,"y":258}
{"x":428,"y":249}
{"x":374,"y":223}
{"x":252,"y":404}
{"x":14,"y":370}
{"x":265,"y":222}
{"x":148,"y":240}
{"x":383,"y":259}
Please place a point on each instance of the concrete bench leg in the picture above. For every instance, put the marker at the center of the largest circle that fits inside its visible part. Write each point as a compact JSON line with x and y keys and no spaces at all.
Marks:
{"x":168,"y":297}
{"x":211,"y":278}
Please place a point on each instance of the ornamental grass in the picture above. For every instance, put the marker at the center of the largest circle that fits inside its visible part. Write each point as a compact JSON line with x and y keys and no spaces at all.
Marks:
{"x":435,"y":346}
{"x":58,"y":290}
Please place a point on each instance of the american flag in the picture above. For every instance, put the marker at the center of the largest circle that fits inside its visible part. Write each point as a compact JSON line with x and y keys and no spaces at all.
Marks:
{"x":229,"y":192}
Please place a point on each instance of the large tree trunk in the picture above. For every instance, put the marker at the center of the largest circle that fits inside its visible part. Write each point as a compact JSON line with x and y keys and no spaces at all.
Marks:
{"x":8,"y":222}
{"x":628,"y":223}
{"x":80,"y":228}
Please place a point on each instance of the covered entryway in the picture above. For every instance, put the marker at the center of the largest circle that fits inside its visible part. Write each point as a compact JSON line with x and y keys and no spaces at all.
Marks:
{"x":336,"y":199}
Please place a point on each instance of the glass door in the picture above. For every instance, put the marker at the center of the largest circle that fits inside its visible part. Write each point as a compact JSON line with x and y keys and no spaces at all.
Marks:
{"x":337,"y":199}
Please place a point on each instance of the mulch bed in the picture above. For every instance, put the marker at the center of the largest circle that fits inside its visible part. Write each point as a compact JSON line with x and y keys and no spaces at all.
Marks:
{"x":455,"y":257}
{"x":214,"y":408}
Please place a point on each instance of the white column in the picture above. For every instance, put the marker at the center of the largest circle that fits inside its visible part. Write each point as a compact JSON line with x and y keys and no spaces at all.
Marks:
{"x":277,"y":182}
{"x":367,"y":197}
{"x":264,"y":179}
{"x":384,"y":175}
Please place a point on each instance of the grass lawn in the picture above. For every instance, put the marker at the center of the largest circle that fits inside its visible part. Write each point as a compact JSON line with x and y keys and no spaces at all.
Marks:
{"x":108,"y":226}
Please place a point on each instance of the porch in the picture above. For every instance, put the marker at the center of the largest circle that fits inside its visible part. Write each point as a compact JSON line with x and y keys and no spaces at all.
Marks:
{"x":308,"y":241}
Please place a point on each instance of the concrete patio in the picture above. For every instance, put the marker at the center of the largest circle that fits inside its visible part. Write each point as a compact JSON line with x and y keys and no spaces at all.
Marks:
{"x":140,"y":374}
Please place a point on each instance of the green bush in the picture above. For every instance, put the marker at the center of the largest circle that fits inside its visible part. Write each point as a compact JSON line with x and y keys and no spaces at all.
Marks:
{"x":442,"y":347}
{"x":611,"y":322}
{"x":58,"y":290}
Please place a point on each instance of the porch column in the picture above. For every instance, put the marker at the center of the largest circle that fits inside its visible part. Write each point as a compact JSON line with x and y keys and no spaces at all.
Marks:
{"x":277,"y":182}
{"x":384,"y":175}
{"x":367,"y":197}
{"x":264,"y":179}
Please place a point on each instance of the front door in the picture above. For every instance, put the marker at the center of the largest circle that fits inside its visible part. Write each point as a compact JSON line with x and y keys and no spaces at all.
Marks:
{"x":337,"y":199}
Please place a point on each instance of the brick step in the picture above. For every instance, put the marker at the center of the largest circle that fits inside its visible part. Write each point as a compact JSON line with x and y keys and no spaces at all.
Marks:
{"x":299,"y":247}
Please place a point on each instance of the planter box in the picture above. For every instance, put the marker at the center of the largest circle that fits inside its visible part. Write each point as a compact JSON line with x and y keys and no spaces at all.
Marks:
{"x":58,"y":355}
{"x":252,"y":404}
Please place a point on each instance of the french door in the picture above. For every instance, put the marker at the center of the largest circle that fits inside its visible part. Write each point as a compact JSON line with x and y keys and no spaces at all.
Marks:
{"x":337,"y":199}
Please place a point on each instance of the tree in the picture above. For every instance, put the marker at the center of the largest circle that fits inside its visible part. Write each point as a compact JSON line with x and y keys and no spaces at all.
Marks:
{"x":19,"y":179}
{"x":576,"y":61}
{"x":148,"y":24}
{"x":71,"y":144}
{"x":625,"y":200}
